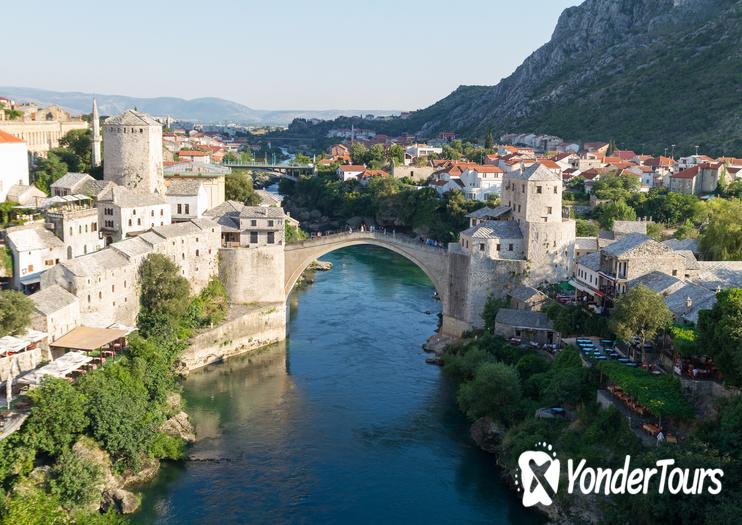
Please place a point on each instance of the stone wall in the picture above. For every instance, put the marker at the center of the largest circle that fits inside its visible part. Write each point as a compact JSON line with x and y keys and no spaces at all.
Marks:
{"x":246,"y":328}
{"x":253,"y":275}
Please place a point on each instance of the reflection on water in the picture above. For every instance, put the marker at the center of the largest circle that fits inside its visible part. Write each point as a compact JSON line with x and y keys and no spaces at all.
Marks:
{"x":344,"y":423}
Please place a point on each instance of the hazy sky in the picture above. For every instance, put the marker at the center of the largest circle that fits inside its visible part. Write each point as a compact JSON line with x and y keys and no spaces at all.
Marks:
{"x":273,"y":54}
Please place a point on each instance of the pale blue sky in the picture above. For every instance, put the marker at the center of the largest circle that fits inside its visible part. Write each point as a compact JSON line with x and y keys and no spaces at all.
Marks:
{"x":273,"y":54}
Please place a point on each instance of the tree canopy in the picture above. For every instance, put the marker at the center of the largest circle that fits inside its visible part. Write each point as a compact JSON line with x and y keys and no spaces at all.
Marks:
{"x":721,"y":237}
{"x":15,"y":312}
{"x":720,"y":333}
{"x":238,"y":187}
{"x":640,"y":312}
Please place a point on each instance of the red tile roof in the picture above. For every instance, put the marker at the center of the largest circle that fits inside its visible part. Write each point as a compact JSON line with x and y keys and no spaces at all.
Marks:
{"x":352,"y":167}
{"x":690,"y":173}
{"x":7,"y":137}
{"x":193,"y":153}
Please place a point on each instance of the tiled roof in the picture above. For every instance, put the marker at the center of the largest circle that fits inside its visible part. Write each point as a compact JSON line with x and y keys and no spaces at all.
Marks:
{"x":526,"y":293}
{"x":656,"y":281}
{"x":262,"y":212}
{"x":52,"y":299}
{"x":71,"y":180}
{"x":127,"y":198}
{"x":131,"y":117}
{"x":8,"y":138}
{"x":187,"y":188}
{"x":494,"y":230}
{"x":586,"y":243}
{"x":489,"y":213}
{"x":32,"y":237}
{"x":591,"y":261}
{"x":684,"y":244}
{"x":524,"y":319}
{"x":536,"y":172}
{"x":631,"y":242}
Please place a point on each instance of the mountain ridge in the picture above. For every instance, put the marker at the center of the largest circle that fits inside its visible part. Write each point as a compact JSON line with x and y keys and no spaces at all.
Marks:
{"x":202,"y":109}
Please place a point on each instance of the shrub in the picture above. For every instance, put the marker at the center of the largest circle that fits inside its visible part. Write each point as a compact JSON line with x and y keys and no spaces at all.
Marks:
{"x":75,"y":480}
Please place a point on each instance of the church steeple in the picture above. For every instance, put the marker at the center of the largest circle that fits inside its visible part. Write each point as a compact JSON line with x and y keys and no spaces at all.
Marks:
{"x":96,"y":136}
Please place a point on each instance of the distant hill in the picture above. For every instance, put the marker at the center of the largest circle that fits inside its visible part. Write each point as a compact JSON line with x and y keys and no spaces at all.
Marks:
{"x":206,"y":110}
{"x":647,"y":73}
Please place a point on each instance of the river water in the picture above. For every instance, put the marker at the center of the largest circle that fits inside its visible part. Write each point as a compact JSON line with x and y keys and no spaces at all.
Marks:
{"x":344,"y":423}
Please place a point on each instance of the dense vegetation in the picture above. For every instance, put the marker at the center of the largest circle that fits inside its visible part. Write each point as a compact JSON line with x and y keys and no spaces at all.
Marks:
{"x":238,"y":186}
{"x":120,"y":408}
{"x":509,"y":385}
{"x":385,"y":202}
{"x":74,"y":154}
{"x":15,"y":312}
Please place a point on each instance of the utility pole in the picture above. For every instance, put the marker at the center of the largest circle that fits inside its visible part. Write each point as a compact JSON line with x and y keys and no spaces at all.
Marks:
{"x":672,"y":155}
{"x":697,"y":150}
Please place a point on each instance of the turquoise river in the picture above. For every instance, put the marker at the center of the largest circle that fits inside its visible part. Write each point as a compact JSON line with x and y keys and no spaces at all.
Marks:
{"x":344,"y":423}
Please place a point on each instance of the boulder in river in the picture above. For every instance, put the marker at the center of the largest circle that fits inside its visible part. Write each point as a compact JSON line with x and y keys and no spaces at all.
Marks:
{"x":486,"y":434}
{"x":179,"y":426}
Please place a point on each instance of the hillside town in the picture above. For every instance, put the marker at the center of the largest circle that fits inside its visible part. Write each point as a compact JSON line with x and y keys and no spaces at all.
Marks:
{"x":556,"y":238}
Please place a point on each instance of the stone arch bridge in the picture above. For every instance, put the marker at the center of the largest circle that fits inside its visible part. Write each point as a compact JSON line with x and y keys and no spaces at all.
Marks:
{"x":445,"y":268}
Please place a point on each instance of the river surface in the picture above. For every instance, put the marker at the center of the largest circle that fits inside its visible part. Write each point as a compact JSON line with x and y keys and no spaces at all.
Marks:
{"x":344,"y":423}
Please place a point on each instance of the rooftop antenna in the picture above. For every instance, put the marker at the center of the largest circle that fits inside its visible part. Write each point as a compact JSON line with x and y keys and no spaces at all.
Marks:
{"x":697,"y":150}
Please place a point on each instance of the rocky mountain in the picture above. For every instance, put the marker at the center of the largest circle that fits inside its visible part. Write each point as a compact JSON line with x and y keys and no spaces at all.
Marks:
{"x":647,"y":73}
{"x":209,"y":110}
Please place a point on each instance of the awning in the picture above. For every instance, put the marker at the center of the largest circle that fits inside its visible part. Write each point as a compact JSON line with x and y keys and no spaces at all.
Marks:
{"x":88,"y":338}
{"x":63,"y":366}
{"x":585,"y":288}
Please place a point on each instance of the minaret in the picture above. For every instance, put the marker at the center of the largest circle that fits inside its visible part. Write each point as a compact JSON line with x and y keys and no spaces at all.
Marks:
{"x":96,"y":136}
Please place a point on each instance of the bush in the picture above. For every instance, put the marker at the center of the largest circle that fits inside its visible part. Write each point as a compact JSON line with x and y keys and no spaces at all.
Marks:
{"x":32,"y":507}
{"x":165,"y":446}
{"x":463,"y":365}
{"x":15,"y":312}
{"x":495,"y":391}
{"x":75,"y":480}
{"x":57,"y":417}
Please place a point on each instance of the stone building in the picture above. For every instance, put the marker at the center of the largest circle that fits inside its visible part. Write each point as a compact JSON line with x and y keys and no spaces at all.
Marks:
{"x":526,"y":325}
{"x":106,"y":282}
{"x":252,"y":261}
{"x":187,"y":199}
{"x":211,"y":176}
{"x":56,"y":312}
{"x":76,"y":225}
{"x":41,"y":128}
{"x":34,"y":250}
{"x":124,"y":213}
{"x":132,"y":153}
{"x":534,"y":196}
{"x":494,"y":239}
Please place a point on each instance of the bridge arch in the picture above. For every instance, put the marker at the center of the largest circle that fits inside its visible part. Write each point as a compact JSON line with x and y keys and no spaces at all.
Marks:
{"x":432,"y":261}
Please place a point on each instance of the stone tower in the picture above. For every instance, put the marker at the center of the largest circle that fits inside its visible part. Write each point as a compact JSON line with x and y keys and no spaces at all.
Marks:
{"x":132,"y":156}
{"x":534,"y":195}
{"x":96,"y":136}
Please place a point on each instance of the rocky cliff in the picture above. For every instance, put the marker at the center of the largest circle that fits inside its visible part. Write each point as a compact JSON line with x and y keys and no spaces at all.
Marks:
{"x":647,"y":73}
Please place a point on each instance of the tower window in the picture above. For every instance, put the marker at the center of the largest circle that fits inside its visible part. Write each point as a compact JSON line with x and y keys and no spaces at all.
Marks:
{"x":539,"y":189}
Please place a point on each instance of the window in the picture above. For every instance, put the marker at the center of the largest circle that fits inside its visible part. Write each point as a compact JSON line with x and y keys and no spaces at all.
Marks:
{"x":187,"y":209}
{"x":518,"y":208}
{"x":253,"y":237}
{"x":674,"y":272}
{"x":271,"y":237}
{"x":523,"y":188}
{"x":88,"y":298}
{"x":139,"y":222}
{"x":100,"y":295}
{"x":134,"y":212}
{"x":152,"y":213}
{"x":555,"y":190}
{"x":498,"y":247}
{"x":94,"y":227}
{"x":253,"y":222}
{"x":180,"y":209}
{"x":197,"y":253}
{"x":548,"y":210}
{"x":70,"y":230}
{"x":510,"y":247}
{"x":162,"y":212}
{"x":113,"y":288}
{"x":270,"y":223}
{"x":539,"y":189}
{"x":129,"y":222}
{"x":481,"y":246}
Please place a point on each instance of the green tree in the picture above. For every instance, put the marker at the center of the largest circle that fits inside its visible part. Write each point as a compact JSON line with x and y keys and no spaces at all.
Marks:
{"x":164,"y":293}
{"x":294,"y":233}
{"x":358,"y":153}
{"x":238,"y":187}
{"x":57,"y":416}
{"x":640,"y":312}
{"x":720,"y":333}
{"x":48,"y":170}
{"x":721,"y":238}
{"x":15,"y":312}
{"x":495,"y":391}
{"x":121,"y":417}
{"x":586,"y":228}
{"x":608,"y":212}
{"x":395,"y":153}
{"x":75,"y":480}
{"x":462,"y":365}
{"x":489,"y":141}
{"x":655,"y":231}
{"x":33,"y":507}
{"x":302,"y":159}
{"x":80,"y":143}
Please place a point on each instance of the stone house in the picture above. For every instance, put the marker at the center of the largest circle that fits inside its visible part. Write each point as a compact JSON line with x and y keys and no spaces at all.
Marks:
{"x":500,"y":213}
{"x":56,"y":311}
{"x":75,"y":223}
{"x":699,"y":179}
{"x":123,"y":213}
{"x":528,"y":298}
{"x":211,"y":176}
{"x":350,"y":171}
{"x":494,"y":240}
{"x":188,"y":200}
{"x":70,"y":184}
{"x":34,"y":250}
{"x":526,"y":325}
{"x":106,"y":282}
{"x":27,"y":196}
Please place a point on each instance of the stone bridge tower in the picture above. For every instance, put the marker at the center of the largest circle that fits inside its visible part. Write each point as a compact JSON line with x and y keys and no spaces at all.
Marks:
{"x":132,"y":152}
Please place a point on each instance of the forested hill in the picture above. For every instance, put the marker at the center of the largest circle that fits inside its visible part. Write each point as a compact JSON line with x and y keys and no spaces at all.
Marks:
{"x":647,"y":73}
